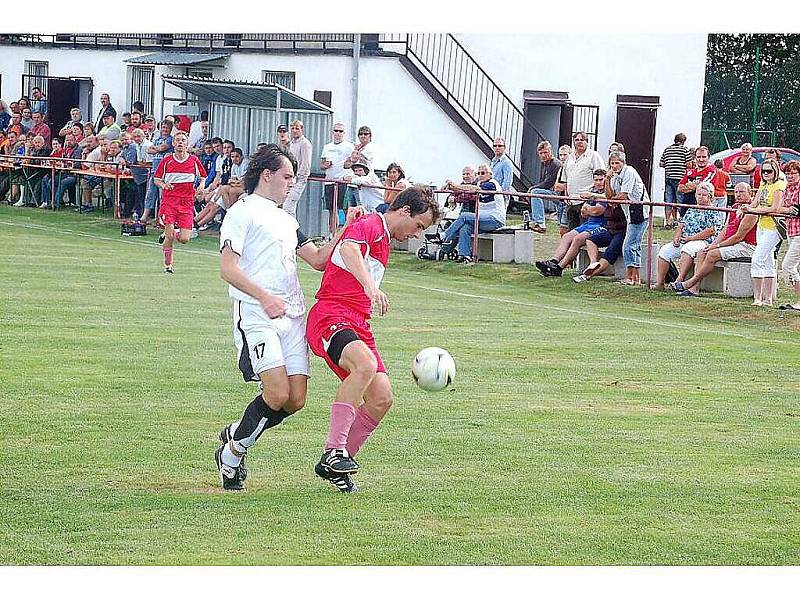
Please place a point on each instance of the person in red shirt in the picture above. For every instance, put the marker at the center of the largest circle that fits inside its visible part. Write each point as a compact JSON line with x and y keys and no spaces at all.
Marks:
{"x":338,"y":327}
{"x":701,"y":171}
{"x":738,"y":240}
{"x":176,"y":176}
{"x":720,"y":182}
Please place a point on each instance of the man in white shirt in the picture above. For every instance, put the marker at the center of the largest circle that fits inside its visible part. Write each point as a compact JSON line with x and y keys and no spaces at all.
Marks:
{"x":259,"y":244}
{"x":579,"y":169}
{"x":300,"y":148}
{"x":334,"y":154}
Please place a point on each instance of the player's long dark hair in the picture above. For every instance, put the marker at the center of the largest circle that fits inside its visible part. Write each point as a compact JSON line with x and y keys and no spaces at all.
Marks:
{"x":268,"y":158}
{"x":420,"y":199}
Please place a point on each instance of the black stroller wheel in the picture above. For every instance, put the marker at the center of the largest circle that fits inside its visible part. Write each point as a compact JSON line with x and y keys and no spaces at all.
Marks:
{"x":421,"y":252}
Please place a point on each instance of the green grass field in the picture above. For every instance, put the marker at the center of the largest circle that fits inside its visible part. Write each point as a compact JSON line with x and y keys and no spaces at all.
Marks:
{"x":589,"y":424}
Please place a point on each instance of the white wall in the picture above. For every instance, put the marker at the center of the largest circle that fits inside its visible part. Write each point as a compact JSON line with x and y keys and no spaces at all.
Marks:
{"x":594,"y":68}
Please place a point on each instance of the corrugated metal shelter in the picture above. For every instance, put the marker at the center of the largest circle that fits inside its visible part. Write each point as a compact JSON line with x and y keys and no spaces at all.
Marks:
{"x":180,"y":59}
{"x":249,"y":113}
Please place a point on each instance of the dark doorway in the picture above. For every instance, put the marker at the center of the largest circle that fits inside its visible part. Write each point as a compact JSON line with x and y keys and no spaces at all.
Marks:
{"x":636,"y":129}
{"x":544,"y":114}
{"x":64,"y":94}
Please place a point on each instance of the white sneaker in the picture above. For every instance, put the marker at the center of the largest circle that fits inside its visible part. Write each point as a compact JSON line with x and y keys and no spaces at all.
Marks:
{"x":195,"y":233}
{"x":20,"y":202}
{"x":43,"y":205}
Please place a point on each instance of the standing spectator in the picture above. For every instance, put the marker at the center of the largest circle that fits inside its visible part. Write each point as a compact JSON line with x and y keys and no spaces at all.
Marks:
{"x":491,"y":215}
{"x":3,"y":142}
{"x":791,"y":208}
{"x":126,"y":121}
{"x":197,"y":132}
{"x":110,"y":129}
{"x":624,"y":183}
{"x":767,"y":200}
{"x":581,"y":165}
{"x":674,"y":161}
{"x":105,"y":106}
{"x":77,"y":131}
{"x":140,"y":173}
{"x":149,"y":127}
{"x":137,"y":106}
{"x":283,"y":137}
{"x":300,"y":148}
{"x":700,"y":172}
{"x":40,"y":127}
{"x":694,"y":233}
{"x":136,"y":121}
{"x":74,"y":119}
{"x":334,"y":155}
{"x":39,"y":102}
{"x":162,"y":146}
{"x":5,"y":115}
{"x":209,"y":161}
{"x":769,"y":154}
{"x":746,"y":163}
{"x":502,"y":169}
{"x":199,"y":145}
{"x":720,"y":182}
{"x":370,"y":197}
{"x":27,"y":120}
{"x":548,"y":174}
{"x":365,"y":149}
{"x":128,"y":189}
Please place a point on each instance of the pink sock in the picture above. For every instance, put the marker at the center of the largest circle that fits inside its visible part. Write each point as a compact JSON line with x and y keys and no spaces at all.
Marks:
{"x":167,"y":256}
{"x":342,"y":417}
{"x":362,"y":428}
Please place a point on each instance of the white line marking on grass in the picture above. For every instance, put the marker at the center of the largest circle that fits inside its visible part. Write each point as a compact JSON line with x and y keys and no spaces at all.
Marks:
{"x":581,"y":312}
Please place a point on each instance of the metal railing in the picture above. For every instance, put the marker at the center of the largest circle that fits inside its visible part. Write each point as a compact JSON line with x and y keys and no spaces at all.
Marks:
{"x":470,"y":90}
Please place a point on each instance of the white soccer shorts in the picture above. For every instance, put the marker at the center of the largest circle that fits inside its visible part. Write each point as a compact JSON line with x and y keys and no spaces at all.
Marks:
{"x":263,"y":343}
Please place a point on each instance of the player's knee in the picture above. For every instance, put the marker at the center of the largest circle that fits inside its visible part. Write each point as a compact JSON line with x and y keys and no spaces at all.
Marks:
{"x":294,"y":404}
{"x":366,"y":366}
{"x":276,"y":397}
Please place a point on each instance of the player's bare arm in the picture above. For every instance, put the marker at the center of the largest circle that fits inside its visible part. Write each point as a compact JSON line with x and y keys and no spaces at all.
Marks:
{"x":231,"y":273}
{"x":351,"y":255}
{"x":317,"y":256}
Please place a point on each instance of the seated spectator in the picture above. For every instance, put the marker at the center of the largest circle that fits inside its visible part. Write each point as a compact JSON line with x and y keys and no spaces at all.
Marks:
{"x":149,"y":127}
{"x":40,"y":127}
{"x":88,"y":129}
{"x":5,"y":115}
{"x":15,"y":177}
{"x":137,"y":120}
{"x":33,"y":173}
{"x":126,"y":122}
{"x":235,"y":187}
{"x":89,"y":183}
{"x":791,"y":208}
{"x":609,"y":237}
{"x":45,"y":199}
{"x":16,"y":124}
{"x":746,"y":163}
{"x":74,"y":119}
{"x":491,"y":215}
{"x":77,"y":131}
{"x":395,"y":178}
{"x":548,"y":176}
{"x":767,"y":200}
{"x":593,"y":215}
{"x":371,"y":196}
{"x":3,"y":142}
{"x":208,"y":158}
{"x":738,"y":240}
{"x":65,"y":180}
{"x":110,"y":129}
{"x":27,"y":120}
{"x":222,"y":169}
{"x":461,"y":199}
{"x":695,"y":231}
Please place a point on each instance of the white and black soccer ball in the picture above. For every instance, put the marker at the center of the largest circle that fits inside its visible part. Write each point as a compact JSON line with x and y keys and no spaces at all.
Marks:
{"x":433,"y":369}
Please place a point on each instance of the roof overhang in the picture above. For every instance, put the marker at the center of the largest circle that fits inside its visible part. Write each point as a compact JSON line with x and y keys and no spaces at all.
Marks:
{"x":180,"y":59}
{"x":245,"y":93}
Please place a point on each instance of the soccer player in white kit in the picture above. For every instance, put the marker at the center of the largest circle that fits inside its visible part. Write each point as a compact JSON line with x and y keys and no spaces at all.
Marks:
{"x":259,"y":244}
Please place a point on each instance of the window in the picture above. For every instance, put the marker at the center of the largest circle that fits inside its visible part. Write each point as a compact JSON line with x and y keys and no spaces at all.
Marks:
{"x":165,"y":39}
{"x":284,"y":78}
{"x":141,"y":87}
{"x":232,"y":40}
{"x":323,"y":97}
{"x":37,"y":76}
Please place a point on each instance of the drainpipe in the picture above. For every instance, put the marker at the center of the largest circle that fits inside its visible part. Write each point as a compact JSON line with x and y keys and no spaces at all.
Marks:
{"x":356,"y":58}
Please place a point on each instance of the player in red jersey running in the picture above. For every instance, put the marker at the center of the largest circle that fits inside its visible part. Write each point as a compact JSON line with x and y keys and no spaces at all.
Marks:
{"x":338,"y":327}
{"x":176,"y":175}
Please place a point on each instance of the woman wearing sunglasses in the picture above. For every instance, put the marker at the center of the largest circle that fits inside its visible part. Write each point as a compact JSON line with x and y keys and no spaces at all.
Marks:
{"x":767,"y":200}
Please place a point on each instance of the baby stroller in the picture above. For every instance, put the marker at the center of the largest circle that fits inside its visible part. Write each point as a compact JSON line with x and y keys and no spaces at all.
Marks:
{"x":433,"y":242}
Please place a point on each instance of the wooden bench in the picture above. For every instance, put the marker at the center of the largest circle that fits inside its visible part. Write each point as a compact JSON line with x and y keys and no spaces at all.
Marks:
{"x":582,"y":261}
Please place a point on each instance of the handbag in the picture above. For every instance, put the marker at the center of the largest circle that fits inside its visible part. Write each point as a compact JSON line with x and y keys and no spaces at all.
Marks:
{"x":780,"y":227}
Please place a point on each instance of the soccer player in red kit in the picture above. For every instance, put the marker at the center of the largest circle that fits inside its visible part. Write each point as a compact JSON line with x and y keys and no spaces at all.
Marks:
{"x":338,"y":327}
{"x":176,"y":175}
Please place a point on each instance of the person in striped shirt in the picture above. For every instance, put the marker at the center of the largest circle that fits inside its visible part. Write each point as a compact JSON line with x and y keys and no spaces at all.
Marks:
{"x":674,"y":162}
{"x":176,"y":176}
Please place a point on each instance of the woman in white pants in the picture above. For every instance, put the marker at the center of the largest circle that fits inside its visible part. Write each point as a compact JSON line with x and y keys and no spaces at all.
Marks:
{"x":767,"y":200}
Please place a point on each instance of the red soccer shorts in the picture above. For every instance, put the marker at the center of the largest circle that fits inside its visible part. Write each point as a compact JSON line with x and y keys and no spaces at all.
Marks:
{"x":325,"y":320}
{"x":180,"y":215}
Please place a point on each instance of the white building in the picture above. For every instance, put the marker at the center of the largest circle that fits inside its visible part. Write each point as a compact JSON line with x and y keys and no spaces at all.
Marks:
{"x":433,"y":101}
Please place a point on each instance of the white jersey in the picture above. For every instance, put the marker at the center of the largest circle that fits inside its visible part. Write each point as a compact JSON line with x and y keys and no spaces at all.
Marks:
{"x":266,"y":239}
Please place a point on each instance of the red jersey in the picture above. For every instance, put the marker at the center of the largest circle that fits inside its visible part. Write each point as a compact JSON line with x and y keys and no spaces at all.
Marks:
{"x":720,"y":183}
{"x":182,"y":175}
{"x":697,"y":175}
{"x":338,"y":284}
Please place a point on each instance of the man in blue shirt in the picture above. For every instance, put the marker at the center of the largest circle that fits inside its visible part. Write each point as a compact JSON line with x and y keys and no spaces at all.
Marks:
{"x":502,"y":169}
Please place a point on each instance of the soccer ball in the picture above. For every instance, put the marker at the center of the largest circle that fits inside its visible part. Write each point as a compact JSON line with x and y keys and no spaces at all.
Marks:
{"x":433,"y":369}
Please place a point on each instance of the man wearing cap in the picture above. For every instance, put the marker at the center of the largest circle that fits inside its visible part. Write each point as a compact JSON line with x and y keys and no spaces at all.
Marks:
{"x":283,"y":137}
{"x":110,"y":129}
{"x":300,"y":148}
{"x":369,"y":197}
{"x":105,"y":106}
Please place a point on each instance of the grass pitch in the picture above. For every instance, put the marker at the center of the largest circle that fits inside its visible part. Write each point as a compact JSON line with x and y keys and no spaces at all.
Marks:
{"x":589,"y":424}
